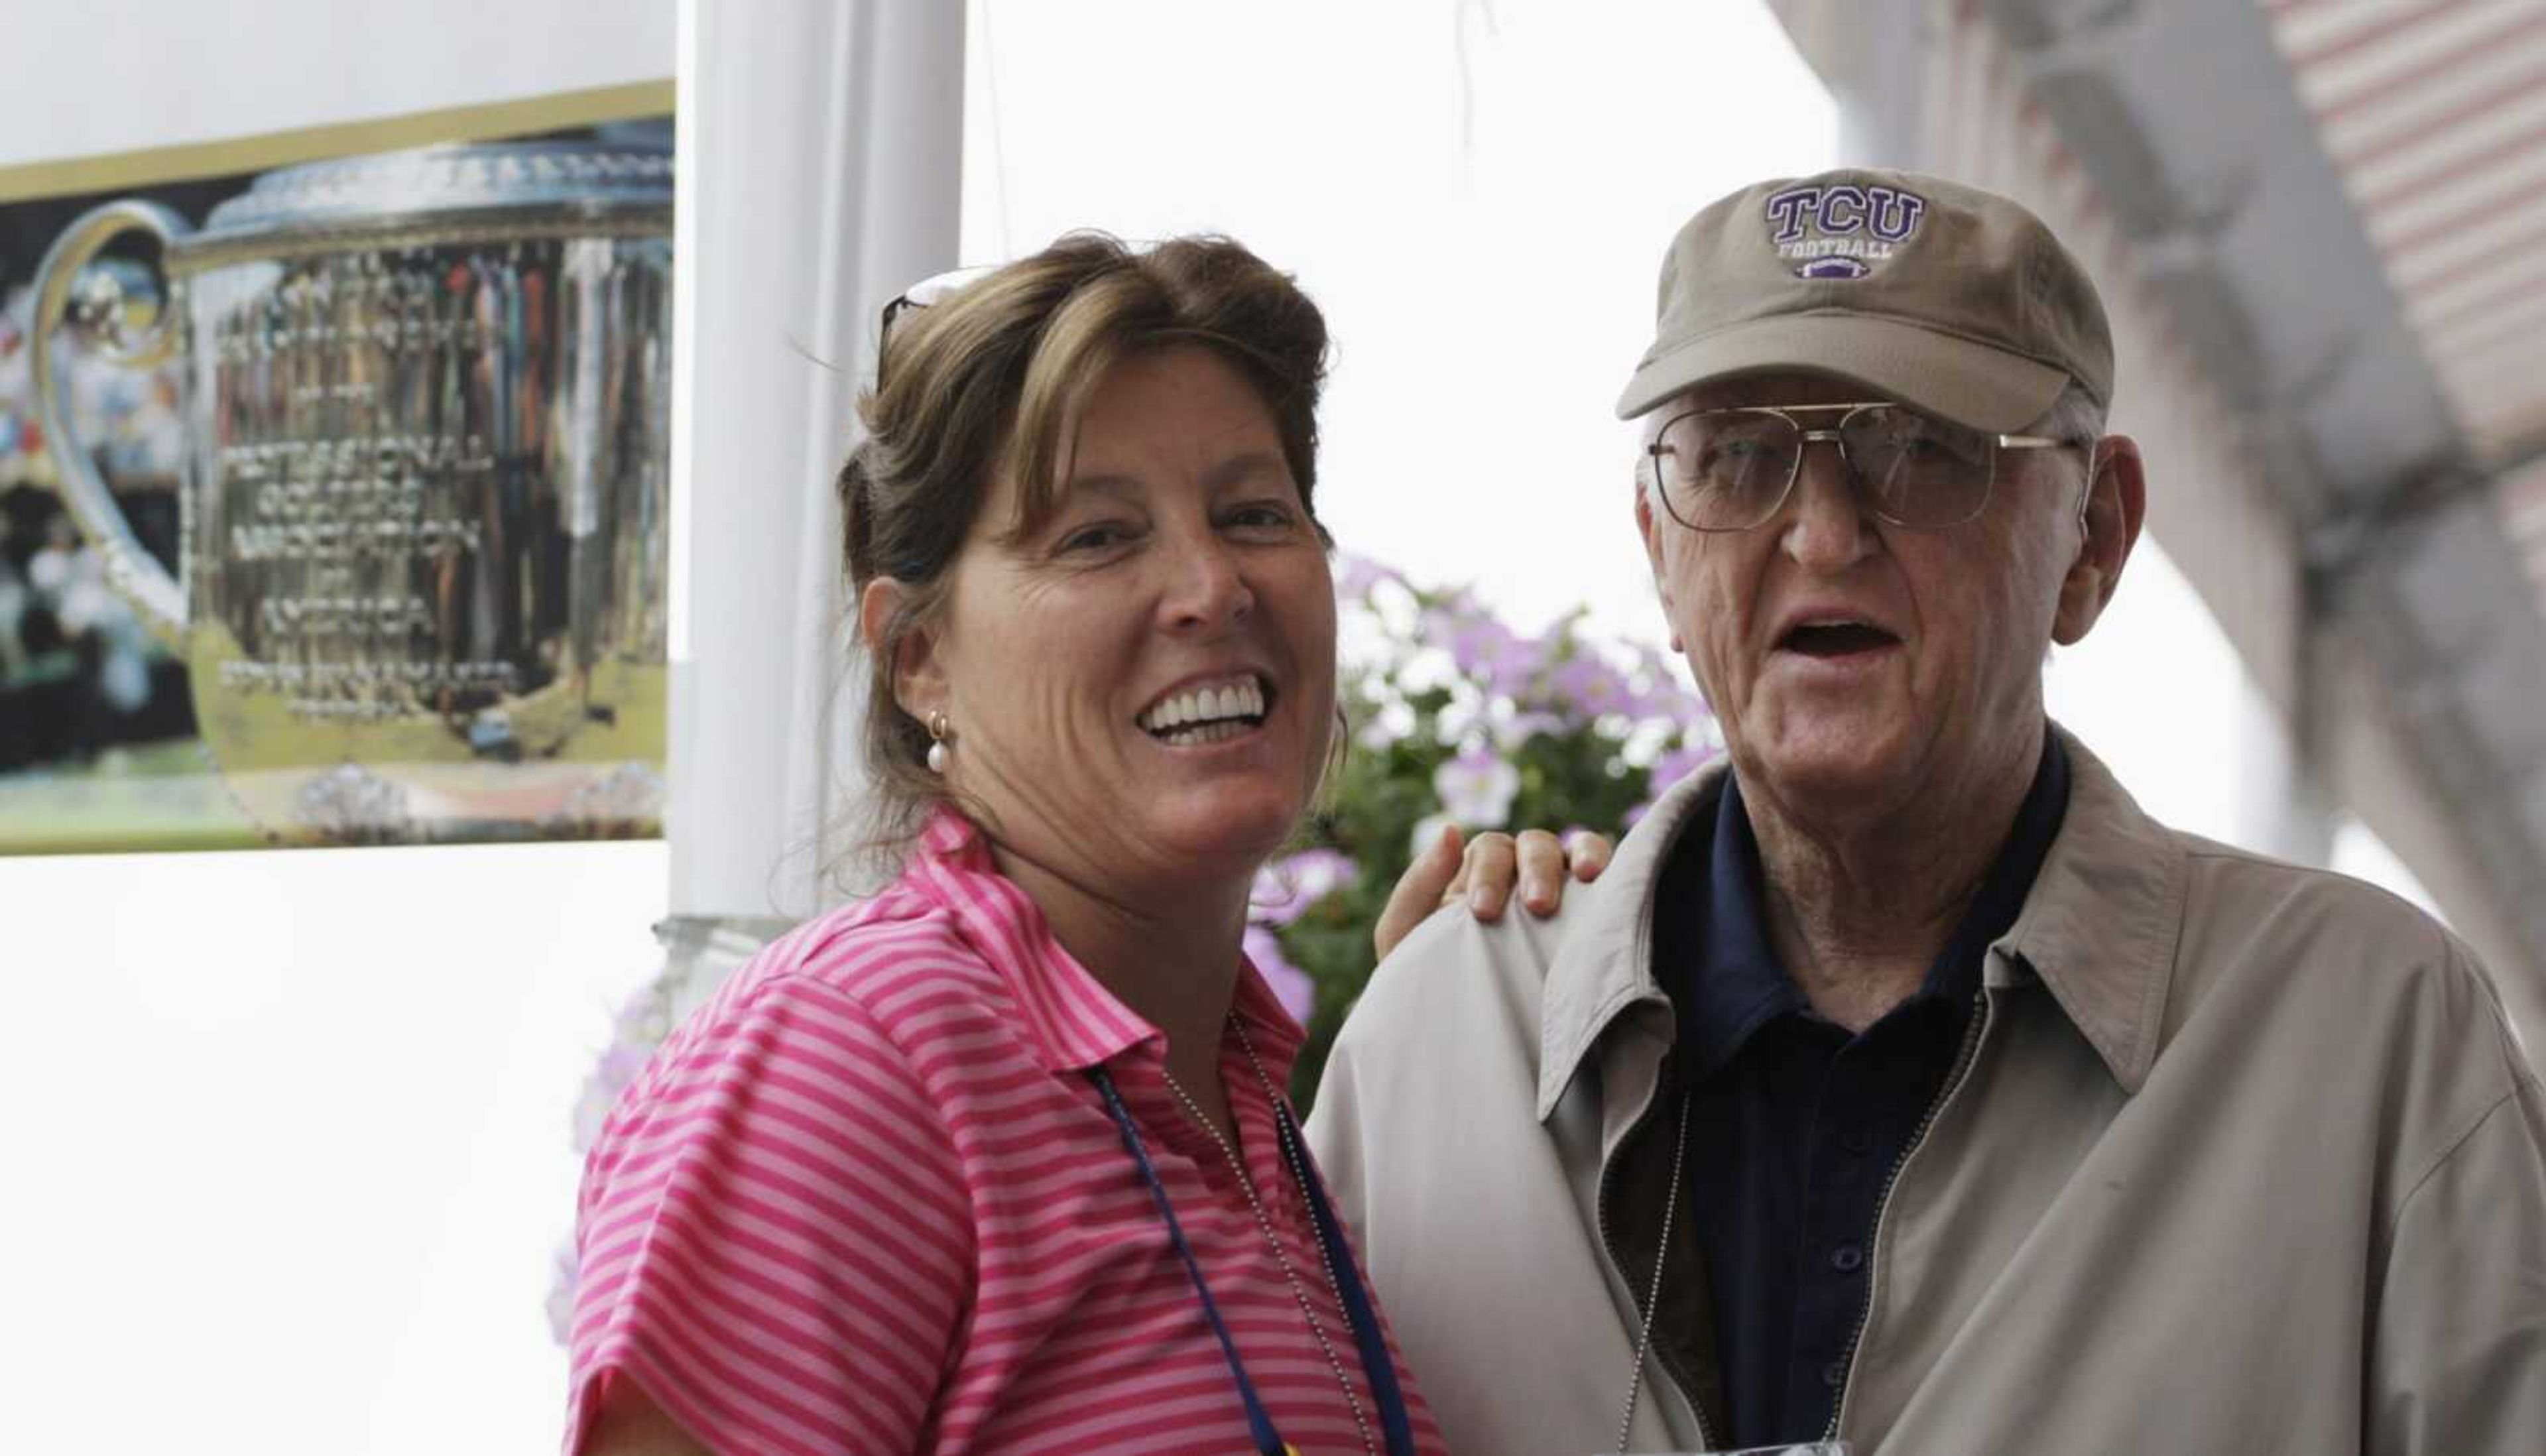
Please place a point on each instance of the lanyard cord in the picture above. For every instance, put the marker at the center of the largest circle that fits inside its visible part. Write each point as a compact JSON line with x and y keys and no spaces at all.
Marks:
{"x":1654,"y":1296}
{"x":1376,"y":1367}
{"x":1380,"y":1370}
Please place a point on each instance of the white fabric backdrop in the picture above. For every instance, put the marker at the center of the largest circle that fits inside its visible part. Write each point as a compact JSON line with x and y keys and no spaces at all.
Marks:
{"x":821,"y":156}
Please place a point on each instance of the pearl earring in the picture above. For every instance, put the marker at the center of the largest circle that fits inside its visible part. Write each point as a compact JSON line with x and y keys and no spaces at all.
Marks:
{"x":937,"y":750}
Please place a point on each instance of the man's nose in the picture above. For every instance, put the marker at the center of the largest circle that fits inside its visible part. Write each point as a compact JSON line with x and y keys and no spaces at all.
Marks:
{"x":1825,"y":520}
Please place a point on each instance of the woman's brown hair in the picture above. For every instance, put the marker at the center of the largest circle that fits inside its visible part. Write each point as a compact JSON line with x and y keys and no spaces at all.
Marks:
{"x":992,"y":378}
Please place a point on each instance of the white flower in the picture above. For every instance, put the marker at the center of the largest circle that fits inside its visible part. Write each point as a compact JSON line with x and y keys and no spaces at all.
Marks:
{"x":1392,"y":722}
{"x":1512,"y":730}
{"x":1476,"y":787}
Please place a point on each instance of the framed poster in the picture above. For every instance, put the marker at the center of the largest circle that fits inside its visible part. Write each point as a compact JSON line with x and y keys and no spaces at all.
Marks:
{"x":333,"y":483}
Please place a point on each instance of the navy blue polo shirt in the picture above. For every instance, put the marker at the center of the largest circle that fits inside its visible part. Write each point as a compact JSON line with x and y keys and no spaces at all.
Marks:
{"x":1796,"y":1125}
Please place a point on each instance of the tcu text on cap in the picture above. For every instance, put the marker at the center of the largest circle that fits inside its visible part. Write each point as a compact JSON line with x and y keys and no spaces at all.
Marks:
{"x":1844,"y":209}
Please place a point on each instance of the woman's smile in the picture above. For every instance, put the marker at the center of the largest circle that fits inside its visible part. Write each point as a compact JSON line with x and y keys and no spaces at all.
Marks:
{"x":1219,"y":709}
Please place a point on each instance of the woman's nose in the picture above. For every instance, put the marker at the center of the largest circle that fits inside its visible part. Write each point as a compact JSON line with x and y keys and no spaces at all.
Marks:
{"x":1207,"y":587}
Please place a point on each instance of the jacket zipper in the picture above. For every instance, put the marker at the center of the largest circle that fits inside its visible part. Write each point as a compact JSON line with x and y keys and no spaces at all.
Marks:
{"x":1609,"y":1245}
{"x":1883,"y":1201}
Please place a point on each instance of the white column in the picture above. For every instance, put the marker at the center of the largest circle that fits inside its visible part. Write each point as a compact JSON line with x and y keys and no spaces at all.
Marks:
{"x":1881,"y":96}
{"x":821,"y":170}
{"x":1874,"y":60}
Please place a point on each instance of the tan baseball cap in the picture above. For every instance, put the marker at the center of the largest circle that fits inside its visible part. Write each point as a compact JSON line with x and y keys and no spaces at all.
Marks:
{"x":1924,"y":290}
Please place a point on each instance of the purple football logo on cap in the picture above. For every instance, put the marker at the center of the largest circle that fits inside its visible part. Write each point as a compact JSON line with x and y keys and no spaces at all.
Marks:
{"x":1832,"y":268}
{"x":1841,"y":230}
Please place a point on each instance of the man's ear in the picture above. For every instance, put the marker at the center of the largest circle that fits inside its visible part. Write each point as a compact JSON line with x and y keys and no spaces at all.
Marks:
{"x":918,"y":676}
{"x":2115,"y":507}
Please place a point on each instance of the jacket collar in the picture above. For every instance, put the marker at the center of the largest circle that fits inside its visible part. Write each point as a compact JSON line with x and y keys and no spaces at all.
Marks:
{"x":2098,"y":929}
{"x":1604,"y":966}
{"x":2101,"y":928}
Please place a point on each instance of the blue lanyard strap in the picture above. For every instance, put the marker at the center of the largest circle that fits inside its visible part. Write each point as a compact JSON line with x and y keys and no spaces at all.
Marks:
{"x":1268,"y":1441}
{"x":1376,"y":1367}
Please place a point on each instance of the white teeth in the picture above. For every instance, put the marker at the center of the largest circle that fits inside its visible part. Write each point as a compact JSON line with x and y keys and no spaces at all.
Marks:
{"x":1204,"y":732}
{"x":1212,"y":705}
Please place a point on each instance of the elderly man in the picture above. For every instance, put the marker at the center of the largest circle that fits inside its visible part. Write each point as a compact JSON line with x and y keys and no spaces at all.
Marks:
{"x":1902,"y":1081}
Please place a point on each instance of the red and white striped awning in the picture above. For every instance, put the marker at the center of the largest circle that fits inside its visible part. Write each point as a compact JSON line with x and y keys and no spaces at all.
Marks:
{"x":2435,"y":112}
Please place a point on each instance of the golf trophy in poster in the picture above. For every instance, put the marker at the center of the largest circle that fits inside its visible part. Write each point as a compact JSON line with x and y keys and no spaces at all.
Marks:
{"x":422,"y":521}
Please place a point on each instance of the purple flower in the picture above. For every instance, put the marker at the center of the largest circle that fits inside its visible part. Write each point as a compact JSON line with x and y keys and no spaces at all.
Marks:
{"x":1358,"y":575}
{"x":1588,"y":683}
{"x":1673,"y":703}
{"x":1665,"y":694}
{"x":1291,"y":985}
{"x":1484,"y":649}
{"x":1677,"y":764}
{"x":1514,"y":668}
{"x":1668,"y":769}
{"x":1476,"y":787}
{"x":1287,"y":887}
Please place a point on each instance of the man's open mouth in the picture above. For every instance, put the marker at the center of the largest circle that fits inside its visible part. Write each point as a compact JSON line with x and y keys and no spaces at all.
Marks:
{"x":1835,"y":638}
{"x":1207,"y":712}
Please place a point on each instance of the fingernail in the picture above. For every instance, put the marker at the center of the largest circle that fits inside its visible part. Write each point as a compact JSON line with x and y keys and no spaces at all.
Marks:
{"x":1480,"y":899}
{"x":1539,"y":892}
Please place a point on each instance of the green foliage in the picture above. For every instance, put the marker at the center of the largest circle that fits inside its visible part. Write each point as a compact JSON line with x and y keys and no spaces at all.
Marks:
{"x":1455,"y":719}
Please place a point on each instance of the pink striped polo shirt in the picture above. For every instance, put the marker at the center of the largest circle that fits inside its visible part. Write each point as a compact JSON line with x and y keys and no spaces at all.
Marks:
{"x":866,"y":1200}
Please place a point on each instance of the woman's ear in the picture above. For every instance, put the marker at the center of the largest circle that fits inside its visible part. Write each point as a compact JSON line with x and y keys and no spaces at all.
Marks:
{"x":918,"y":678}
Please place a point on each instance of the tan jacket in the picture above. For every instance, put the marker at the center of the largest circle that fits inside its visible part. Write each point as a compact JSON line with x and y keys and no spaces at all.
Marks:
{"x":2241,"y":1158}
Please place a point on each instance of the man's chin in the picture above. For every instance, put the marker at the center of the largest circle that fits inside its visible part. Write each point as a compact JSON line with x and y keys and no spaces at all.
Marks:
{"x":1842,"y":769}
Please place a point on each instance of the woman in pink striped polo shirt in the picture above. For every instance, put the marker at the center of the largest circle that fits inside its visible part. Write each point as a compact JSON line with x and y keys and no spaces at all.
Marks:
{"x":999,"y":1161}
